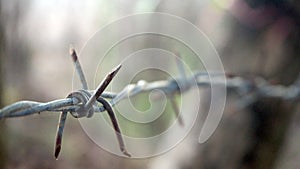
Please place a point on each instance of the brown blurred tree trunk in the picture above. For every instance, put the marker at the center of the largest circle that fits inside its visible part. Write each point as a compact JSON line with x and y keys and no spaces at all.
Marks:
{"x":2,"y":125}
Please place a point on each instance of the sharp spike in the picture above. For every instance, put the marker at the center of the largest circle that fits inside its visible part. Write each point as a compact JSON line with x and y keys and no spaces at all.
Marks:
{"x":59,"y":133}
{"x":102,"y":86}
{"x":114,"y":121}
{"x":78,"y":68}
{"x":176,"y":110}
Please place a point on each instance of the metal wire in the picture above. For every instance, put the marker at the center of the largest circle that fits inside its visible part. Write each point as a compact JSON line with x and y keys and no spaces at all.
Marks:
{"x":84,"y":102}
{"x":258,"y":87}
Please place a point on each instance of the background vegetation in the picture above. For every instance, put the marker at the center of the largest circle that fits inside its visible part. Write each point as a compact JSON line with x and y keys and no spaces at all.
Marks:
{"x":252,"y":37}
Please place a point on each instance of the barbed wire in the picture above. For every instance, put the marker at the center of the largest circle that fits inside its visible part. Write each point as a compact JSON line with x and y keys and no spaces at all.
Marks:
{"x":84,"y":102}
{"x":258,"y":87}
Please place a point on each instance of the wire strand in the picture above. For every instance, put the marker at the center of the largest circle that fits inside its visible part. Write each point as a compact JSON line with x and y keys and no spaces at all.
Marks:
{"x":241,"y":85}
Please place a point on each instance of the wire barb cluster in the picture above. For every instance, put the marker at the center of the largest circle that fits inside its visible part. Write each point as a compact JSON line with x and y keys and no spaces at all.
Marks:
{"x":83,"y":103}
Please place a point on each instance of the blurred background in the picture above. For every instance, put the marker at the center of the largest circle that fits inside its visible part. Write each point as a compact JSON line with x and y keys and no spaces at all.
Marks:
{"x":253,"y":38}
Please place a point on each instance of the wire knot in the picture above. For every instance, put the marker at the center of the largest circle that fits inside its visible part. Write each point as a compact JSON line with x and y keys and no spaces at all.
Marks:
{"x":82,"y":97}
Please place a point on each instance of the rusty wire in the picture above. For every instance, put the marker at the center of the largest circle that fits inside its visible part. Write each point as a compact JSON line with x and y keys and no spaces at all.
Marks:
{"x":84,"y":102}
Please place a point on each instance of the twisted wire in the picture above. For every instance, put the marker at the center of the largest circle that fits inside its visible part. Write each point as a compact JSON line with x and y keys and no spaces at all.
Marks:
{"x":83,"y":103}
{"x":258,"y":87}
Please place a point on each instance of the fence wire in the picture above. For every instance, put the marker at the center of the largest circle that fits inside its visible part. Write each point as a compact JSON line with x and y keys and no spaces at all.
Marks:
{"x":84,"y":102}
{"x":257,"y":88}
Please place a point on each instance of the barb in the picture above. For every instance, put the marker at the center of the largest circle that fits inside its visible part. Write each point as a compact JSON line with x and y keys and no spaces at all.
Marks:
{"x":183,"y":86}
{"x":101,"y":88}
{"x":61,"y":125}
{"x":88,"y":100}
{"x":81,"y":103}
{"x":115,"y":124}
{"x":78,"y":68}
{"x":176,"y":109}
{"x":63,"y":115}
